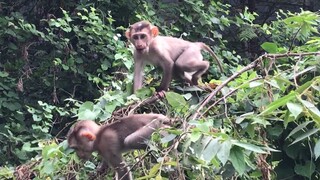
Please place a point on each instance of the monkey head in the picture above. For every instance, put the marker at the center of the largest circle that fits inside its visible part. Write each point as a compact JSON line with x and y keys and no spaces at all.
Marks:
{"x":81,"y":138}
{"x":141,"y":34}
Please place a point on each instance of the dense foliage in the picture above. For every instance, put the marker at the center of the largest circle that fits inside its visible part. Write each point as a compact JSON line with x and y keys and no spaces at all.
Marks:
{"x":60,"y":61}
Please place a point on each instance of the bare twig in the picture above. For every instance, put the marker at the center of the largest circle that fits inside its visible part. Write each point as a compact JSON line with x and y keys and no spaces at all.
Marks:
{"x":205,"y":102}
{"x":227,"y":95}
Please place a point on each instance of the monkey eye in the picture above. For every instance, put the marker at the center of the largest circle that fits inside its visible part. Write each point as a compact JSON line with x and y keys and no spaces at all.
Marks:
{"x":143,"y":36}
{"x":135,"y":37}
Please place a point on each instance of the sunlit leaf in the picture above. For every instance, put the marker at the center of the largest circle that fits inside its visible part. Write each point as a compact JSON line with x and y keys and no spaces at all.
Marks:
{"x":270,"y":47}
{"x":314,"y":111}
{"x":278,"y":103}
{"x":195,"y":135}
{"x":294,"y":108}
{"x":317,"y":149}
{"x":255,"y":84}
{"x":168,"y":138}
{"x":250,"y":147}
{"x":155,"y":169}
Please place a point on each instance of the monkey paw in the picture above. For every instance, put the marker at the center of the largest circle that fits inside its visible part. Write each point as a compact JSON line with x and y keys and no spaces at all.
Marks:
{"x":161,"y":94}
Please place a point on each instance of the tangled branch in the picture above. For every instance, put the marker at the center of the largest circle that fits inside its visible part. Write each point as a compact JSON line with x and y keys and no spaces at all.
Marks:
{"x":252,"y":65}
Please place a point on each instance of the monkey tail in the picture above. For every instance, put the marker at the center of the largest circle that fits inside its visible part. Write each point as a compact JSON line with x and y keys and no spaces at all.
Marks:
{"x":207,"y":48}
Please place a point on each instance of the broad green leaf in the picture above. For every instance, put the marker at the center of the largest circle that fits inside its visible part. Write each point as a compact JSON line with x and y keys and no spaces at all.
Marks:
{"x":203,"y":127}
{"x":295,"y":109}
{"x":305,"y":135}
{"x":211,"y":150}
{"x":177,"y":101}
{"x":317,"y":149}
{"x":195,"y":135}
{"x":278,"y":103}
{"x":237,"y":159}
{"x":312,"y":109}
{"x":250,"y":147}
{"x":270,"y":47}
{"x":199,"y":145}
{"x":224,"y":151}
{"x":298,"y":128}
{"x":87,"y":115}
{"x":307,"y":169}
{"x":86,"y":105}
{"x":48,"y":168}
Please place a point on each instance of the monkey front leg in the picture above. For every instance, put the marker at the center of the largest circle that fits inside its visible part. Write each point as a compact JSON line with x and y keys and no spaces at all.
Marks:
{"x":167,"y":68}
{"x":138,"y":74}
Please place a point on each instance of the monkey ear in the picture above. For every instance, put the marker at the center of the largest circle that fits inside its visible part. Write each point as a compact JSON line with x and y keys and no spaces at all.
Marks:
{"x":128,"y":34}
{"x":89,"y":135}
{"x":154,"y":31}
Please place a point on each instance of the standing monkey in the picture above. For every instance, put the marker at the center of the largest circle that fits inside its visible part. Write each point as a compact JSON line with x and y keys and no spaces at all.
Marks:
{"x":111,"y":140}
{"x":173,"y":55}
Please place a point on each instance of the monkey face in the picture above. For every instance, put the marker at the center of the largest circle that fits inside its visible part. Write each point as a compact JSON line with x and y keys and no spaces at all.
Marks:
{"x":140,"y":40}
{"x":81,"y":138}
{"x":83,"y":147}
{"x":83,"y":154}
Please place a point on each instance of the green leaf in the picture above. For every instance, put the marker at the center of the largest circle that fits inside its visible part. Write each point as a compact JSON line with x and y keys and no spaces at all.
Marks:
{"x":86,"y":105}
{"x":295,"y":109}
{"x":313,"y":110}
{"x":168,"y":138}
{"x":158,"y":177}
{"x":4,"y":74}
{"x":304,"y":86}
{"x":237,"y":159}
{"x":195,"y":135}
{"x":154,"y":170}
{"x":317,"y":149}
{"x":275,"y":130}
{"x":298,"y":128}
{"x":306,"y":169}
{"x":211,"y":150}
{"x":305,"y":135}
{"x":48,"y":168}
{"x":250,"y":147}
{"x":87,"y":115}
{"x":224,"y":151}
{"x":278,"y":103}
{"x":270,"y":47}
{"x":177,"y":101}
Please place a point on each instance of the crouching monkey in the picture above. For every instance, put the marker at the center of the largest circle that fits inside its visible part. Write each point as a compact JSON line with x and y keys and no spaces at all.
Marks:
{"x":111,"y":140}
{"x":173,"y":55}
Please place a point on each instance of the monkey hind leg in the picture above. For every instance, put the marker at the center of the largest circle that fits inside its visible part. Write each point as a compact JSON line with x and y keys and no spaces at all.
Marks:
{"x":203,"y":67}
{"x":121,"y":168}
{"x":185,"y":76}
